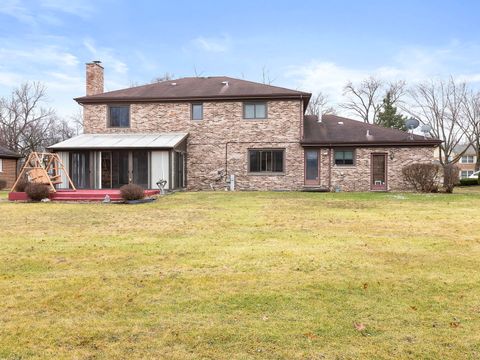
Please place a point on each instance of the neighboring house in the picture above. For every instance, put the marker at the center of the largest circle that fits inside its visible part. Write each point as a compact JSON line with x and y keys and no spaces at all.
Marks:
{"x":8,"y":166}
{"x":197,"y":132}
{"x":467,"y":161}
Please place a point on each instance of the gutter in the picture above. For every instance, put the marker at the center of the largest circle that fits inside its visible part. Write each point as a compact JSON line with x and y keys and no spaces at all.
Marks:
{"x":373,"y":144}
{"x":141,"y":99}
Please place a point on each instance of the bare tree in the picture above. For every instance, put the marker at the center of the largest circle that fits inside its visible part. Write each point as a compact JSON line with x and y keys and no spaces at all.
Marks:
{"x":441,"y":105}
{"x":266,"y":79}
{"x":26,"y":124}
{"x":76,"y":121}
{"x":318,"y":105}
{"x":365,"y":99}
{"x":472,"y":128}
{"x":165,"y":77}
{"x":196,"y":72}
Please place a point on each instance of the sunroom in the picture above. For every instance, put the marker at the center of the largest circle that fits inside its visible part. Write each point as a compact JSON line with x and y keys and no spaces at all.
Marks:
{"x":109,"y":161}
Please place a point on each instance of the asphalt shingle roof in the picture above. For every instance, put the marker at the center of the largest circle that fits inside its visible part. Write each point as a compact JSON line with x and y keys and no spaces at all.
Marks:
{"x":6,"y":153}
{"x":337,"y":131}
{"x":190,"y":88}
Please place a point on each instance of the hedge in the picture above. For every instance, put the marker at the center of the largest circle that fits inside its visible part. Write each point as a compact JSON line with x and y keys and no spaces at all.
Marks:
{"x":468,"y":182}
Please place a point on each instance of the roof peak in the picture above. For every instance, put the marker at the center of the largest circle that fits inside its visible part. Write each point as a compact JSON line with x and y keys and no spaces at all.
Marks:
{"x":206,"y":87}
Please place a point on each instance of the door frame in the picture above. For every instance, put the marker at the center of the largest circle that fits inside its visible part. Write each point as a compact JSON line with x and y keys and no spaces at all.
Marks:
{"x":311,"y":182}
{"x":383,"y":187}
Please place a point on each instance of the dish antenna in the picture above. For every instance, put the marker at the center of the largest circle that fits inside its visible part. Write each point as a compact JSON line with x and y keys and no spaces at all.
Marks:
{"x":425,"y":129}
{"x":411,"y":124}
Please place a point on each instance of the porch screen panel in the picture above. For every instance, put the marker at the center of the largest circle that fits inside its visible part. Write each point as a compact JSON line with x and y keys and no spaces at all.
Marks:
{"x":159,"y":168}
{"x":65,"y":160}
{"x":140,"y":168}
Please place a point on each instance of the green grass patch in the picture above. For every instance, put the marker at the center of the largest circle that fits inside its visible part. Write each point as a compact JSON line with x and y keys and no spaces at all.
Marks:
{"x":243,"y":276}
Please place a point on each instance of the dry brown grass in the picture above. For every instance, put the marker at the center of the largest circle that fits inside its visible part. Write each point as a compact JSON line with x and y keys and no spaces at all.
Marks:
{"x":243,"y":275}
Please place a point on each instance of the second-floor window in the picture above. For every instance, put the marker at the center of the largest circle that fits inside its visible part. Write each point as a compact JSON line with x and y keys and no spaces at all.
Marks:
{"x":119,"y":116}
{"x":197,"y":111}
{"x":255,"y":110}
{"x":467,"y":159}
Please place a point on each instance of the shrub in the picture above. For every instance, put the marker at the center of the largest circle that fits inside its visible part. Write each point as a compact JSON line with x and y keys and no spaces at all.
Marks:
{"x":3,"y":184}
{"x":450,"y":177}
{"x":422,"y":177}
{"x":132,"y":192}
{"x":468,"y":182}
{"x":21,"y":185}
{"x":37,"y":192}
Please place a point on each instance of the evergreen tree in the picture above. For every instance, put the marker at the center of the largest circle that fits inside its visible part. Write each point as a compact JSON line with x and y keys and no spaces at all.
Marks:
{"x":388,"y":117}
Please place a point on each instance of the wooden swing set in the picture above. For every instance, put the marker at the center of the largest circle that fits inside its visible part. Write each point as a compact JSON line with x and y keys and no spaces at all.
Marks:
{"x":44,"y":168}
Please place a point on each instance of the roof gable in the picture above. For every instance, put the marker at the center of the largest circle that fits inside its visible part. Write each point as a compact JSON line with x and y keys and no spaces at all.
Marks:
{"x":215,"y":87}
{"x":337,"y":131}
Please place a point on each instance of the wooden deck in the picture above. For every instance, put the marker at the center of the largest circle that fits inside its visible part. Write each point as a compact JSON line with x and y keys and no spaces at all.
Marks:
{"x":79,"y":195}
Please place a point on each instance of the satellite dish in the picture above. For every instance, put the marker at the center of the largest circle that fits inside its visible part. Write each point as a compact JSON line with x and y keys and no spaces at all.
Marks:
{"x":412,"y":123}
{"x":426,"y":129}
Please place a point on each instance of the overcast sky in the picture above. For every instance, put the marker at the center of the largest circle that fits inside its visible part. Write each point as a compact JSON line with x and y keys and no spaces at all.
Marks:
{"x":308,"y":45}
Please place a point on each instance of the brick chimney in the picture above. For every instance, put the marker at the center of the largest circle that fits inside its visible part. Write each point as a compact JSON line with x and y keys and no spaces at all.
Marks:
{"x":94,"y":78}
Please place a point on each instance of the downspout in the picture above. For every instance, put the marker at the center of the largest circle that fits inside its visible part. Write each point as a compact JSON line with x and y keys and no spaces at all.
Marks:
{"x":329,"y":168}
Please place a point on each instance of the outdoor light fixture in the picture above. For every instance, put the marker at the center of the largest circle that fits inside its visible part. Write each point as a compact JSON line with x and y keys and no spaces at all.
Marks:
{"x":392,"y":155}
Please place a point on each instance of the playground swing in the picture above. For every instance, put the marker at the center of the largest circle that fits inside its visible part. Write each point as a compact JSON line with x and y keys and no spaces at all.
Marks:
{"x":44,"y":168}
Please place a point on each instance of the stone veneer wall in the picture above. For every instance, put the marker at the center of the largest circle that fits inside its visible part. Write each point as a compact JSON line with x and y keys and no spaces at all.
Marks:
{"x":9,"y":172}
{"x":357,"y":177}
{"x":222,"y":137}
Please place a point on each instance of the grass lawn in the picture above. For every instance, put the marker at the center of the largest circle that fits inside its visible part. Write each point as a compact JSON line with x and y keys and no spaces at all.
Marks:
{"x":243,"y":276}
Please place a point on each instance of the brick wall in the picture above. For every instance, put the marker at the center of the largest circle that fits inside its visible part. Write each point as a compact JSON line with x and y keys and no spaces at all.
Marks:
{"x":357,"y":177}
{"x":9,"y":171}
{"x":94,"y":77}
{"x":222,"y":137}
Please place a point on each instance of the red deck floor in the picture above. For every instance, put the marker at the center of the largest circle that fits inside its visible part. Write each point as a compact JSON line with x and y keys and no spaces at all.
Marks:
{"x":79,"y":195}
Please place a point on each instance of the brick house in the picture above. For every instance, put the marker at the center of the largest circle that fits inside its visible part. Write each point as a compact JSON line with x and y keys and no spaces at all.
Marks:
{"x":467,"y":161}
{"x":197,"y":132}
{"x":8,"y":166}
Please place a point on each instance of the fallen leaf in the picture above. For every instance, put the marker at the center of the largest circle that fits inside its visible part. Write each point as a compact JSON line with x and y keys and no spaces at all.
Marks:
{"x":454,"y":324}
{"x":365,"y":286}
{"x":413,"y":308}
{"x":359,"y":326}
{"x":310,"y":335}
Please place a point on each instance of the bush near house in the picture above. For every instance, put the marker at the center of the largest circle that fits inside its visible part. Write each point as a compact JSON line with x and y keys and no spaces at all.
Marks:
{"x":132,"y":192}
{"x":37,"y":192}
{"x":422,"y":177}
{"x":21,"y":185}
{"x":468,"y":182}
{"x":3,"y":184}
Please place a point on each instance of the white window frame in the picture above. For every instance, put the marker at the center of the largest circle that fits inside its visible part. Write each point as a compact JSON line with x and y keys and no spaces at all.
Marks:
{"x":1,"y":165}
{"x":466,"y":159}
{"x":468,"y":173}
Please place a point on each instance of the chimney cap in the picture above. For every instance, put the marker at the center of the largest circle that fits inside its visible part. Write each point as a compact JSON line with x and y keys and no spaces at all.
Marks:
{"x":95,"y":62}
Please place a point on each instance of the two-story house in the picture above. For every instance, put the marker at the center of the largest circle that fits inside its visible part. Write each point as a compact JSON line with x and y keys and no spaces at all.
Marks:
{"x":467,"y":161}
{"x":197,"y":132}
